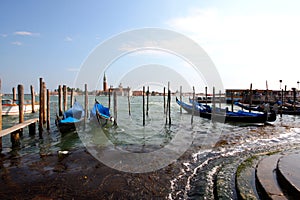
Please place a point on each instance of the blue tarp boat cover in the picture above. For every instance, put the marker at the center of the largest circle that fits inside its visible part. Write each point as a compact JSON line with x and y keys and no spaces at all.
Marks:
{"x":206,"y":108}
{"x":243,"y":113}
{"x":76,"y":111}
{"x":104,"y":111}
{"x":69,"y":120}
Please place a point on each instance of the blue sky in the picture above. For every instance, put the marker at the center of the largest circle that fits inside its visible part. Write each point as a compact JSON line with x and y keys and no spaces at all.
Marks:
{"x":248,"y":41}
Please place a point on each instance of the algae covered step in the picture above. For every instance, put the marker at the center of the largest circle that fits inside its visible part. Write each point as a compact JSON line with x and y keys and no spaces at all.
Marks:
{"x":266,"y":180}
{"x":245,"y":178}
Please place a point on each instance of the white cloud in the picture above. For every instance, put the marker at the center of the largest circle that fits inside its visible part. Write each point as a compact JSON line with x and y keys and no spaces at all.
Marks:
{"x":26,"y":33}
{"x":128,"y":47}
{"x":68,"y":39}
{"x":17,"y":43}
{"x":73,"y":69}
{"x":198,"y":21}
{"x":149,"y":52}
{"x":256,"y":44}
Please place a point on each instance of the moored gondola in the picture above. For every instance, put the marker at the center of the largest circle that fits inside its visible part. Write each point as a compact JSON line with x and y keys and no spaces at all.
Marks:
{"x":101,"y":115}
{"x":223,"y":115}
{"x":286,"y":110}
{"x":71,"y":119}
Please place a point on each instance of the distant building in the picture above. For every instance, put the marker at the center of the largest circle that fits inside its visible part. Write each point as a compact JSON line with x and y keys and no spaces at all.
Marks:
{"x":137,"y":93}
{"x":105,"y":89}
{"x":120,"y":90}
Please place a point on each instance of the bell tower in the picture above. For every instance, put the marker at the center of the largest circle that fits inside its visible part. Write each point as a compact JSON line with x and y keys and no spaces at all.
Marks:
{"x":104,"y":83}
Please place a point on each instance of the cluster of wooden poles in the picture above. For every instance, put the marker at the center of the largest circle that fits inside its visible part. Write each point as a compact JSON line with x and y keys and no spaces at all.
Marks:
{"x":44,"y":111}
{"x":44,"y":107}
{"x":17,"y":130}
{"x":44,"y":102}
{"x":167,"y":104}
{"x":145,"y":104}
{"x":44,"y":114}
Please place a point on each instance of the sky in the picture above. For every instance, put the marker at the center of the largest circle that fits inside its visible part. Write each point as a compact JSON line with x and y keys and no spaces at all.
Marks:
{"x":248,"y":41}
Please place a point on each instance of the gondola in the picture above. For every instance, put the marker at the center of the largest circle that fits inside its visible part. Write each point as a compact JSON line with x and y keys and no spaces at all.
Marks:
{"x":71,"y":118}
{"x":259,"y":108}
{"x":290,"y":110}
{"x":223,"y":115}
{"x":101,"y":115}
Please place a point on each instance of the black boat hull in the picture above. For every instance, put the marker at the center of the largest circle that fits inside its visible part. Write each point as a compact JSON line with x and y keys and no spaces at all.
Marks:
{"x":67,"y":127}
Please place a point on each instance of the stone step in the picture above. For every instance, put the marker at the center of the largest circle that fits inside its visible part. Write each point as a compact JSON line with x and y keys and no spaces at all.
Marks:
{"x":266,"y":181}
{"x":245,"y":178}
{"x":288,"y":172}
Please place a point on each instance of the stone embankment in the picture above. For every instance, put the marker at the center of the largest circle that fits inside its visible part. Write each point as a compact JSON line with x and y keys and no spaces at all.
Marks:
{"x":274,"y":176}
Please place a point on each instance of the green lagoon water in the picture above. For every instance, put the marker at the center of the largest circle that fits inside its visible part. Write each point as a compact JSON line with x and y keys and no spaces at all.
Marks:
{"x":199,"y":139}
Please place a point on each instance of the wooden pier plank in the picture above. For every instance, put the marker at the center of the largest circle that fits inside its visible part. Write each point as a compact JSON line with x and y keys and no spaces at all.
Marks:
{"x":17,"y":127}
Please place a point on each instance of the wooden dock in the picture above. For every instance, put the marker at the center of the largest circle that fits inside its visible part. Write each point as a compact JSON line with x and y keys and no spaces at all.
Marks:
{"x":17,"y":127}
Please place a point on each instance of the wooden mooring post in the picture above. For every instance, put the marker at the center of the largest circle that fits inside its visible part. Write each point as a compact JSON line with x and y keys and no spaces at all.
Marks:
{"x":206,"y":95}
{"x":65,"y":95}
{"x":14,"y":94}
{"x":169,"y":103}
{"x":21,"y":107}
{"x":232,"y":101}
{"x":168,"y":107}
{"x":143,"y":105}
{"x":164,"y":96}
{"x":285,"y":93}
{"x":41,"y":108}
{"x":220,"y":97}
{"x":281,"y":103}
{"x":214,"y":101}
{"x":21,"y":103}
{"x":86,"y":103}
{"x":60,"y":113}
{"x":32,"y":128}
{"x":147,"y":105}
{"x":32,"y":99}
{"x":128,"y":98}
{"x":48,"y":109}
{"x":115,"y":108}
{"x":45,"y":103}
{"x":250,"y":100}
{"x":15,"y":135}
{"x":71,"y":98}
{"x":109,"y":94}
{"x":294,"y":98}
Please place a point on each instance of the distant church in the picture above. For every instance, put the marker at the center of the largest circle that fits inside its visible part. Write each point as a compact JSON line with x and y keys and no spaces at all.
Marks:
{"x":119,"y":90}
{"x":105,"y":89}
